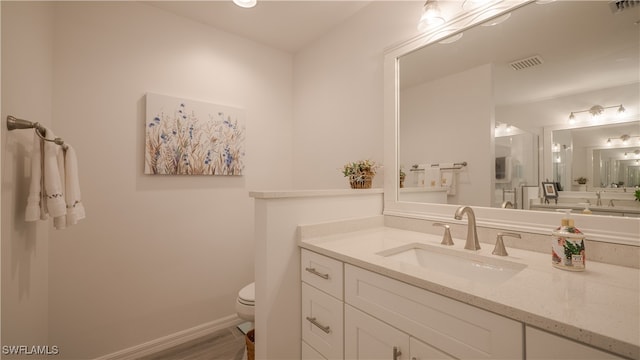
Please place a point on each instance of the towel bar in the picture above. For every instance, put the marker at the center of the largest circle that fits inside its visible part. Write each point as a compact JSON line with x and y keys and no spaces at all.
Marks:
{"x":14,"y":123}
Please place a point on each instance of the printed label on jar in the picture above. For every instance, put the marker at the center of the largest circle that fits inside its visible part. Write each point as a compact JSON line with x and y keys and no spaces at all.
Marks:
{"x":568,"y":253}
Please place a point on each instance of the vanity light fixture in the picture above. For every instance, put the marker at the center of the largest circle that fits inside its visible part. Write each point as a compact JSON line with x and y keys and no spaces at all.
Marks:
{"x":596,"y":111}
{"x":246,"y":3}
{"x":624,"y":139}
{"x":431,"y":15}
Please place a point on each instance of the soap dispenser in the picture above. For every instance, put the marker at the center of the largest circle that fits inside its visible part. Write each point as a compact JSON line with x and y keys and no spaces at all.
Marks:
{"x":567,"y":246}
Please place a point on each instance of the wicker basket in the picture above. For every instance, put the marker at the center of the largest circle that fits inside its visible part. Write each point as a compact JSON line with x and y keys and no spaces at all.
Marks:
{"x":251,"y":344}
{"x":364,"y":183}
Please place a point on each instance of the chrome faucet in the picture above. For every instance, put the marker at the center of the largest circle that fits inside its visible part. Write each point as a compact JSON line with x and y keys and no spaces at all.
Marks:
{"x":599,"y":199}
{"x":472,"y":235}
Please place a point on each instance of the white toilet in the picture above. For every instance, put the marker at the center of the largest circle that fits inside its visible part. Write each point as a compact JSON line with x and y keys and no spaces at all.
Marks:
{"x":245,"y":303}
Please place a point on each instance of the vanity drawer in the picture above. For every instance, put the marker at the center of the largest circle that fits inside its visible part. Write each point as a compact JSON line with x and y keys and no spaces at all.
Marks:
{"x":322,"y":272}
{"x":322,"y":322}
{"x":453,"y":327}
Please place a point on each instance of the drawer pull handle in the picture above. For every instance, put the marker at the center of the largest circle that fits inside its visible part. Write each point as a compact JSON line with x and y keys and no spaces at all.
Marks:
{"x":315,"y":272}
{"x":313,"y":320}
{"x":396,"y":353}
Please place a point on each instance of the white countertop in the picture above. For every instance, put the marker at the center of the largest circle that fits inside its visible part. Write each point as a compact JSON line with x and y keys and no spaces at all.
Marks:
{"x":572,"y":206}
{"x":422,"y":189}
{"x":600,"y":306}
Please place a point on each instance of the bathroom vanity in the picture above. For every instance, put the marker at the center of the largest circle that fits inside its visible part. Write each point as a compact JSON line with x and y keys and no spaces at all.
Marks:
{"x":384,"y":292}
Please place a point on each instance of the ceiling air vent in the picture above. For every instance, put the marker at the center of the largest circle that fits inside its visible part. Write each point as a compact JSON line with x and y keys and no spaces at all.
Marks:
{"x":526,"y":63}
{"x":617,"y":6}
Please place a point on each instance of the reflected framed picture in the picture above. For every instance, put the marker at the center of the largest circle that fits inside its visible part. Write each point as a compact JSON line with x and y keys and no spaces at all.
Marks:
{"x":549,"y":190}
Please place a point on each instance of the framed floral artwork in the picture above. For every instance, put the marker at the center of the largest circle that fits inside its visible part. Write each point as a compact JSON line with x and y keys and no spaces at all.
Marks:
{"x":188,"y":137}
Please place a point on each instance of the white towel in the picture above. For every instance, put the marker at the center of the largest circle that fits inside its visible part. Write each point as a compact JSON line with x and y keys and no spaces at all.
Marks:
{"x":448,"y":178}
{"x":35,"y":200}
{"x":52,"y":177}
{"x":60,"y":221}
{"x":75,"y":209}
{"x":432,"y":177}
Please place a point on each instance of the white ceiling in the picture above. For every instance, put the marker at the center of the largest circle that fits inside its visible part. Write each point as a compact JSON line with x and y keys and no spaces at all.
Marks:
{"x":284,"y":25}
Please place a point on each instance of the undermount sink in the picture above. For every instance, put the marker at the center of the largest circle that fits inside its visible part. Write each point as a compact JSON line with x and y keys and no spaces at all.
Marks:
{"x":463,"y":264}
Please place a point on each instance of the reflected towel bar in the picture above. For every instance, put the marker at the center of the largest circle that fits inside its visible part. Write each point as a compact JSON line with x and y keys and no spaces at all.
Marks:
{"x":456,"y":166}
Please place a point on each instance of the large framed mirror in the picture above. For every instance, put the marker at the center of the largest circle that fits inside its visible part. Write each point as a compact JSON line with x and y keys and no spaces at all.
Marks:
{"x":472,"y":109}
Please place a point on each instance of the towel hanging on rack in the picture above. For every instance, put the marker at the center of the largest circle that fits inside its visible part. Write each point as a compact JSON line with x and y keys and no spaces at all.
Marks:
{"x":448,"y":178}
{"x":75,"y":208}
{"x":36,"y":203}
{"x":54,"y":189}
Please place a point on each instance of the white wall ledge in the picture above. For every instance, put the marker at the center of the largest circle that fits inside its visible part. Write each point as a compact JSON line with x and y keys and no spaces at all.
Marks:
{"x":278,"y":194}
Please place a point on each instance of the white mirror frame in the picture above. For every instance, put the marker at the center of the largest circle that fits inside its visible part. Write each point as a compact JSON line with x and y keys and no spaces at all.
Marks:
{"x":611,"y":229}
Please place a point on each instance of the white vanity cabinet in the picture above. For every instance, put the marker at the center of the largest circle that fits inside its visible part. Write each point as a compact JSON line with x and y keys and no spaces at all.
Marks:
{"x":352,"y":313}
{"x":443,"y":325}
{"x":543,"y":345}
{"x":322,"y":307}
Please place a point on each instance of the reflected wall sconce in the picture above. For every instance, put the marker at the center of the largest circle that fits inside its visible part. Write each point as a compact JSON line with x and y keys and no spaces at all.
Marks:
{"x":636,"y":153}
{"x":624,"y":139}
{"x":245,"y":3}
{"x":596,"y":111}
{"x":431,"y":15}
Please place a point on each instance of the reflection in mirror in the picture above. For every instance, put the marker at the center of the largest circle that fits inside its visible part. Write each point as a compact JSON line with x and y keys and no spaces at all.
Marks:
{"x":487,"y":94}
{"x":605,"y":156}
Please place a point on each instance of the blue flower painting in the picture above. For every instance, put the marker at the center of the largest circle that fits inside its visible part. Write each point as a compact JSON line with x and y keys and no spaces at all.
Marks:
{"x":186,"y":137}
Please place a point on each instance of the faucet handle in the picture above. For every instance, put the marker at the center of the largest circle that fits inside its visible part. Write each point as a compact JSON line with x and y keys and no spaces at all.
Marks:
{"x":446,"y":238}
{"x":499,"y":249}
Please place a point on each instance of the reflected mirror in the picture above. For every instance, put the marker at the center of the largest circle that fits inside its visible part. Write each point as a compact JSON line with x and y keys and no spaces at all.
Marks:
{"x":476,"y":109}
{"x":597,"y":158}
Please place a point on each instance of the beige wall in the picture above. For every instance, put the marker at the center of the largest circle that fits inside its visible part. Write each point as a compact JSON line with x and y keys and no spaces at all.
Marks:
{"x":27,"y":75}
{"x":338,"y":83}
{"x":156,"y":255}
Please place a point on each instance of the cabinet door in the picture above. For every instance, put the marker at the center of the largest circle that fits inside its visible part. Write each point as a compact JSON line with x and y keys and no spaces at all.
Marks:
{"x":367,"y":338}
{"x":422,"y":351}
{"x":322,"y":326}
{"x":309,"y":353}
{"x":543,"y":345}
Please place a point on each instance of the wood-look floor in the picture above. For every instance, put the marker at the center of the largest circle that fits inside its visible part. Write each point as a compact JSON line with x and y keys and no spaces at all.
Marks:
{"x":226,"y":344}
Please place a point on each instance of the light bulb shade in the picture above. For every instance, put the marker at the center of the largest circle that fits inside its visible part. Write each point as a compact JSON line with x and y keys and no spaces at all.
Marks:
{"x":245,"y":3}
{"x":430,"y":15}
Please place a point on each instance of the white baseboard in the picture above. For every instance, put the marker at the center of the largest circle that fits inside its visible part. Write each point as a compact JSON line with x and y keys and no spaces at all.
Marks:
{"x":171,"y":340}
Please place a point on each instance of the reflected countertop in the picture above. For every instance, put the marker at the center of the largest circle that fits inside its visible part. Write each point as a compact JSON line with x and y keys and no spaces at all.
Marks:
{"x":611,"y":209}
{"x":600,"y":306}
